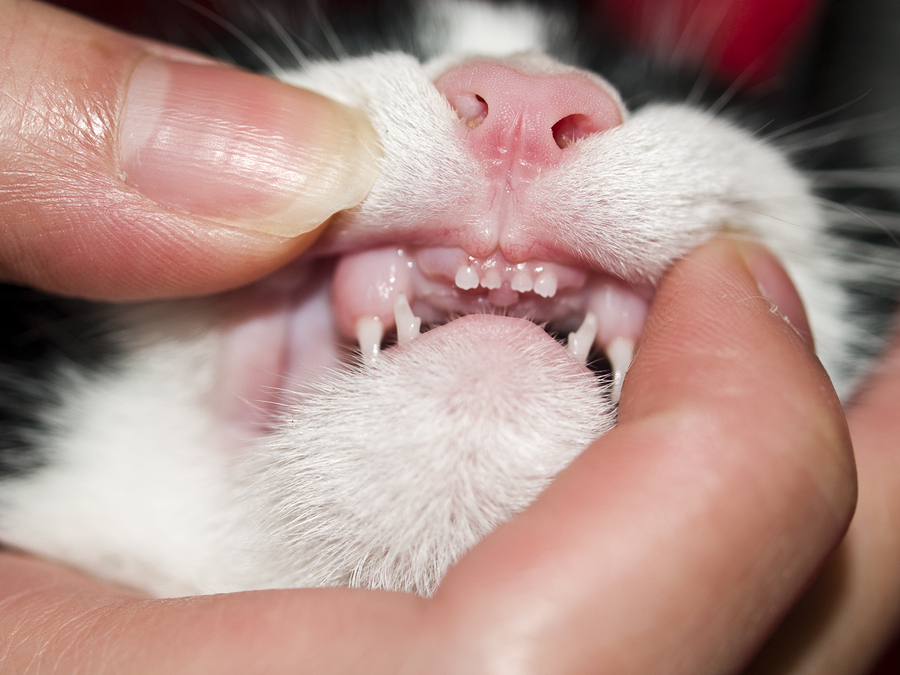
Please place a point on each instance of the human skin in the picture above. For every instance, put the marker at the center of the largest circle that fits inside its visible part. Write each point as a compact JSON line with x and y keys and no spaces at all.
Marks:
{"x":656,"y":526}
{"x":852,"y":612}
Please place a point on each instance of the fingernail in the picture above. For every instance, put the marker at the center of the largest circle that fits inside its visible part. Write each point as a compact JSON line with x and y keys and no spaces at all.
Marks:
{"x":776,"y":286}
{"x":242,"y":149}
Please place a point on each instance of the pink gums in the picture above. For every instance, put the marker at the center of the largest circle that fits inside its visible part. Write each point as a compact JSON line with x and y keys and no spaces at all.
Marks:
{"x":366,"y":286}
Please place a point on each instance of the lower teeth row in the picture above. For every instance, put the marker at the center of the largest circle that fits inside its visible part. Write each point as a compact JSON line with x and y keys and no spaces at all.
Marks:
{"x":619,"y":352}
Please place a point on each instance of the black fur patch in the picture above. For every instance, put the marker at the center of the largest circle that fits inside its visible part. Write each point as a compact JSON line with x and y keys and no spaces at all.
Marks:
{"x":40,"y":335}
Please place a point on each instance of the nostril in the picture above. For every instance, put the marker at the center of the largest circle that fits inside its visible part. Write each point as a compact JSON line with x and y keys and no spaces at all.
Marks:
{"x":572,"y":128}
{"x":471,"y":108}
{"x":520,"y":118}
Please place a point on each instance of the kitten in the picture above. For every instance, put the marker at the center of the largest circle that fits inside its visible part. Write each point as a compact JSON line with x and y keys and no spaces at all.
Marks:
{"x":304,"y":430}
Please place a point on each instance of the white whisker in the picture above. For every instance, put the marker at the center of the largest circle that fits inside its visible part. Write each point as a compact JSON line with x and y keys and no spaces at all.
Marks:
{"x":869,"y":178}
{"x":810,"y":120}
{"x":701,"y":86}
{"x":245,"y":39}
{"x":327,"y":30}
{"x":835,"y":133}
{"x":286,"y":39}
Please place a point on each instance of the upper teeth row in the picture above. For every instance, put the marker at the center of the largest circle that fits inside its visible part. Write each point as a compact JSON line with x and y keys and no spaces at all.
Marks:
{"x":372,"y":292}
{"x":522,"y":278}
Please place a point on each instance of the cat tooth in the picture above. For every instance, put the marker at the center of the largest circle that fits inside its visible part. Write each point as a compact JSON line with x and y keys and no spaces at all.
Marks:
{"x":466,"y":278}
{"x":408,"y":324}
{"x":620,"y":311}
{"x":580,"y":342}
{"x":545,"y":284}
{"x":491,"y":280}
{"x":521,"y":282}
{"x":369,"y":332}
{"x":620,"y":353}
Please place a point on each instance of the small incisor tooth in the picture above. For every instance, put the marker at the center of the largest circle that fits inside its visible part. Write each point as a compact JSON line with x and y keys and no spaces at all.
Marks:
{"x":491,"y":280}
{"x":522,"y":282}
{"x":545,"y":285}
{"x":580,"y":342}
{"x":408,"y":324}
{"x":369,"y":332}
{"x":466,"y":278}
{"x":620,"y":353}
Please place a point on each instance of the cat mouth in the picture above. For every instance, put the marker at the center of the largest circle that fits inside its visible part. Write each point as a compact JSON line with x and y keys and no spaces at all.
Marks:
{"x":285,"y":336}
{"x":389,"y":294}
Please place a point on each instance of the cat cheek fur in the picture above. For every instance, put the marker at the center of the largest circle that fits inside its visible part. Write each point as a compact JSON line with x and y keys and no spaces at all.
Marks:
{"x":382,"y":477}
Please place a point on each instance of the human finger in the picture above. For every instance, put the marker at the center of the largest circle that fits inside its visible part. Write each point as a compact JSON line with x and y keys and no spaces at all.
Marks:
{"x":679,"y":539}
{"x":136,"y":170}
{"x":852,"y":612}
{"x":55,"y":620}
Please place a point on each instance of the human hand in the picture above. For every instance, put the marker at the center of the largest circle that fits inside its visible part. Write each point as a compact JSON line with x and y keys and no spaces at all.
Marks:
{"x":673,"y":544}
{"x":134,"y":170}
{"x":852,"y":613}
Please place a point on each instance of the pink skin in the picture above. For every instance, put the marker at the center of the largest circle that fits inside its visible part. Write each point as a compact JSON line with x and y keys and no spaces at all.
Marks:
{"x":277,"y":335}
{"x":518,"y":124}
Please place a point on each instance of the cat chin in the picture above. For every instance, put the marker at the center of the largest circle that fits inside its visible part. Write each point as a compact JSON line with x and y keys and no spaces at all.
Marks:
{"x":389,"y":473}
{"x":376,"y":476}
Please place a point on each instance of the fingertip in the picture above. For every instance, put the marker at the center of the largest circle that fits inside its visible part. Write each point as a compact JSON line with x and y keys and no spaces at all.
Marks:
{"x":711,"y":311}
{"x":714,"y":345}
{"x":777,"y":287}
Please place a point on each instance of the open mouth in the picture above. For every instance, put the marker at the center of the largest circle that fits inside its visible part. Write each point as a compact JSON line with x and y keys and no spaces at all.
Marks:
{"x":293,"y":330}
{"x":393,"y":292}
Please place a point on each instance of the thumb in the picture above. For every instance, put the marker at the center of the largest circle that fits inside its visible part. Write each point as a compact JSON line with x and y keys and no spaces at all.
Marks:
{"x":135,"y":170}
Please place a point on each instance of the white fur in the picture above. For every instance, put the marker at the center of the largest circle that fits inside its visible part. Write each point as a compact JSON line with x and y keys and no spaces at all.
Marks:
{"x":385,"y":477}
{"x":462,"y":28}
{"x":137,"y":490}
{"x":389,"y":475}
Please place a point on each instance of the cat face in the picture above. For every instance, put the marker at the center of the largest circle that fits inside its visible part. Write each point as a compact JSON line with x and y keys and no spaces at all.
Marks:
{"x":306,"y":431}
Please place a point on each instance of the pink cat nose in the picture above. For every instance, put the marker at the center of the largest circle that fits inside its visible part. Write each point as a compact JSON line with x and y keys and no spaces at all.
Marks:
{"x":523,"y":121}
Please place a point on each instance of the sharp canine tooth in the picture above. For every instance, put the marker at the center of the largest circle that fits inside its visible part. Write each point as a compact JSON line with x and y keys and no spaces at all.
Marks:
{"x":466,"y":278}
{"x":522,"y":282}
{"x":369,"y":331}
{"x":580,"y":342}
{"x":408,"y":324}
{"x":620,"y":352}
{"x":545,"y":286}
